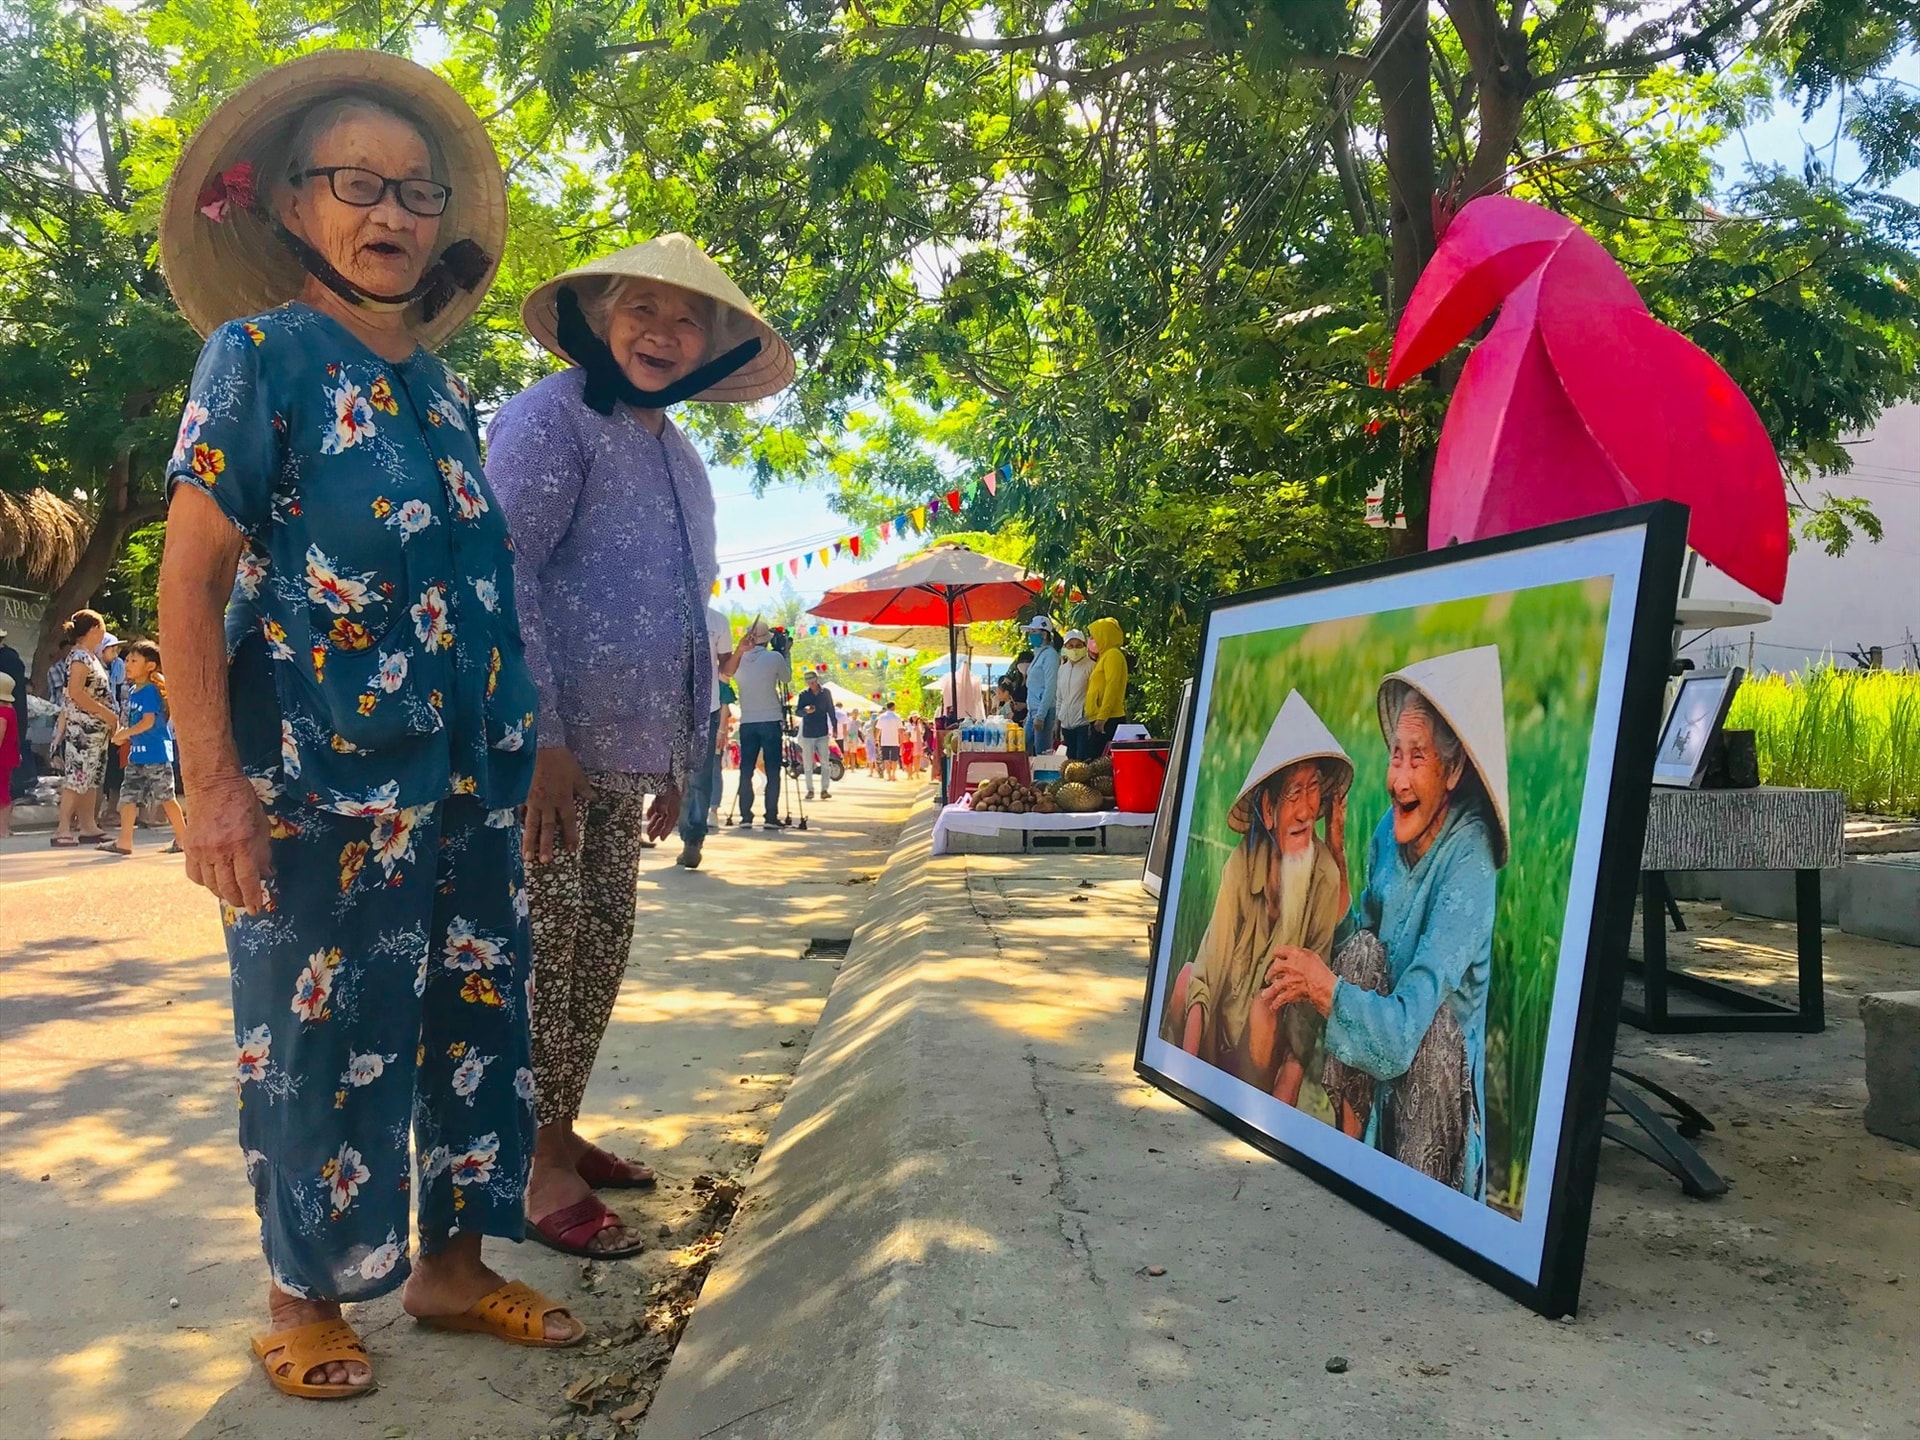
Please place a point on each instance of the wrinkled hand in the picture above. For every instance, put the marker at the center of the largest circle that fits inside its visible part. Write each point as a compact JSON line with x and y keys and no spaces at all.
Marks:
{"x":560,"y":787}
{"x":664,"y":813}
{"x":1295,"y":975}
{"x":226,"y":843}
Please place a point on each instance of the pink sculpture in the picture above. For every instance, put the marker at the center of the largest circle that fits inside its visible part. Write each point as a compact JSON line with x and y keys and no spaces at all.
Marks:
{"x":1578,"y":400}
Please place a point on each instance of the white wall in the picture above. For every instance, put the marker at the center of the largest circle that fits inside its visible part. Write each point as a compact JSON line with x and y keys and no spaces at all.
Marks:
{"x":1868,"y":596}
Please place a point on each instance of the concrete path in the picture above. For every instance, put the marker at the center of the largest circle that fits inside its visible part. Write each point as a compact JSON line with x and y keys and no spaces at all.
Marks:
{"x":974,"y":1220}
{"x":121,"y":1188}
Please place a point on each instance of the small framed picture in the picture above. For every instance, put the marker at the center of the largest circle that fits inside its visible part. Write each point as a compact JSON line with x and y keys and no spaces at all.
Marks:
{"x":1400,"y":866}
{"x":1699,"y":709}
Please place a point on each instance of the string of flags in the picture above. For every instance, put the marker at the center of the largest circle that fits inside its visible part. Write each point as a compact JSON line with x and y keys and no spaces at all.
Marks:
{"x":914,"y":521}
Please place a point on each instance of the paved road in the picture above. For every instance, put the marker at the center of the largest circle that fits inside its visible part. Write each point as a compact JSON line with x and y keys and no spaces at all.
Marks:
{"x":121,"y":1188}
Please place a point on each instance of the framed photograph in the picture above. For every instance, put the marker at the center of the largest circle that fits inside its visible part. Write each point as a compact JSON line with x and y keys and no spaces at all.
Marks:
{"x":1153,"y":874}
{"x":1400,"y":879}
{"x":1699,"y":710}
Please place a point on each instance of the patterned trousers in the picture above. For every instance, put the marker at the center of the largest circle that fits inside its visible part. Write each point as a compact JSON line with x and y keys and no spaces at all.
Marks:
{"x":384,"y":991}
{"x":583,"y":905}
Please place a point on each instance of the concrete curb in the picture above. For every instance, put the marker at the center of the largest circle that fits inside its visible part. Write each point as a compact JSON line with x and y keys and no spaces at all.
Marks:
{"x":812,"y":1322}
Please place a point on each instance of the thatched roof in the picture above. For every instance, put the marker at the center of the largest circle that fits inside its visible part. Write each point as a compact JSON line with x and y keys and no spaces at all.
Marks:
{"x":41,"y":536}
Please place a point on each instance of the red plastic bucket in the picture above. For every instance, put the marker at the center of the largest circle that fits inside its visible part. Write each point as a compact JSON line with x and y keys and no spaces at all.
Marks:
{"x":1139,"y":770}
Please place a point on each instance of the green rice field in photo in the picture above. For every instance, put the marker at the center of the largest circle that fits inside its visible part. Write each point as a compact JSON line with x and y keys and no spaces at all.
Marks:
{"x":1551,"y":640}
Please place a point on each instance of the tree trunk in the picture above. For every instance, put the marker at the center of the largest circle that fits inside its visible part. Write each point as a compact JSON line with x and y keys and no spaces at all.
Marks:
{"x":120,"y":514}
{"x":1403,"y":79}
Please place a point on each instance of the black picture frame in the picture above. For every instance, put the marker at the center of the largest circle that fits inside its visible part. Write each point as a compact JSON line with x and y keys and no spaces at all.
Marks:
{"x":1687,"y":775}
{"x":1553,"y":1288}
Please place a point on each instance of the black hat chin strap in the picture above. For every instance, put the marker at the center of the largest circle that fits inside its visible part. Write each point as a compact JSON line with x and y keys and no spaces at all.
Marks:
{"x":607,"y":383}
{"x":461,"y":266}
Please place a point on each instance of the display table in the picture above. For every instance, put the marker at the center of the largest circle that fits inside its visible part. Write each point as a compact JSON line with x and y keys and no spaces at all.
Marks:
{"x":962,"y":819}
{"x":1764,"y":829}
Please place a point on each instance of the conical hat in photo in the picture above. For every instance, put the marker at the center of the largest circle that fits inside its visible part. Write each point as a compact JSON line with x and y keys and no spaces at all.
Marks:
{"x":676,"y":260}
{"x":1296,"y":734}
{"x":1464,"y":689}
{"x":229,"y":269}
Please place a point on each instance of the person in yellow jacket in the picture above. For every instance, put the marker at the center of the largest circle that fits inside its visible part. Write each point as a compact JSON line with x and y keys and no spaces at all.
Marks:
{"x":1107,"y":686}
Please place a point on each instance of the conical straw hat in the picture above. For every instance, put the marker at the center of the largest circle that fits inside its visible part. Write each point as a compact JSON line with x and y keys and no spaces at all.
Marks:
{"x":226,"y":270}
{"x":1464,"y":687}
{"x":676,"y":260}
{"x":1296,"y":734}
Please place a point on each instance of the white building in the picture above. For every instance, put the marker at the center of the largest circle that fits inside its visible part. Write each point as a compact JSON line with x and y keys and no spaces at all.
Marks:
{"x":1836,"y":605}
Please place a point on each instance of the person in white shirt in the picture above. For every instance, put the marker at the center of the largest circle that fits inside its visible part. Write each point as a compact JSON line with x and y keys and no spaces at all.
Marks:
{"x":886,"y":728}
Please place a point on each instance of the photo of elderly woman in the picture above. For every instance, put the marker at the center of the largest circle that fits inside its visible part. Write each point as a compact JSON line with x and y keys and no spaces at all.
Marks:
{"x":1414,"y":1023}
{"x":1392,"y":978}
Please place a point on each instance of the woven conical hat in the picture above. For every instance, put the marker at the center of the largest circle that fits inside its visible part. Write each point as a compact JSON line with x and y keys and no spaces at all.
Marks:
{"x":226,"y":270}
{"x":1464,"y":687}
{"x":1296,"y":734}
{"x":677,"y":260}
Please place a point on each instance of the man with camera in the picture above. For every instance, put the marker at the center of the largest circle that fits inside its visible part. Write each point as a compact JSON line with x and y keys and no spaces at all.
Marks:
{"x":763,"y":671}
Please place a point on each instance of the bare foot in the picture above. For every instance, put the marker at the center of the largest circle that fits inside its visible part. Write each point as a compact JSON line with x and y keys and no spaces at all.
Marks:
{"x":455,"y":1280}
{"x":553,"y":1186}
{"x":290,"y":1314}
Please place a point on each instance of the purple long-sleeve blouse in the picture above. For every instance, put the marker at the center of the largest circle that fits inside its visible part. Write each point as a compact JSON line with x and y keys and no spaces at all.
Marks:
{"x":613,"y":534}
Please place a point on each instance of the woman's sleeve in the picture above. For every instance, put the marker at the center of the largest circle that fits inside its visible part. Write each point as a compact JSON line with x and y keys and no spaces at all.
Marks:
{"x":1380,"y":1033}
{"x":537,"y":471}
{"x":229,"y":444}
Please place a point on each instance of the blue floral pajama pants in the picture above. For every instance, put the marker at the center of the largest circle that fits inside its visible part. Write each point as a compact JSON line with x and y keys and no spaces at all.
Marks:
{"x":385,"y":992}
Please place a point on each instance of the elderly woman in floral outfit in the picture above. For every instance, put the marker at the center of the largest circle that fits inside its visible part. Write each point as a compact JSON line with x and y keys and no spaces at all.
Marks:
{"x":612,"y":518}
{"x":355,"y":749}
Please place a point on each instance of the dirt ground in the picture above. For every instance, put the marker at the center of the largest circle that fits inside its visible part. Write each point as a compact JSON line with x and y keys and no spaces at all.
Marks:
{"x":1812,"y":1260}
{"x":129,"y":1265}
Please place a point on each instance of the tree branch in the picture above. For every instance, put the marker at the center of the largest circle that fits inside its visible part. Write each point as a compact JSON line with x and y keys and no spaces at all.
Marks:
{"x":1143,"y":60}
{"x":1042,"y":40}
{"x":1646,"y":60}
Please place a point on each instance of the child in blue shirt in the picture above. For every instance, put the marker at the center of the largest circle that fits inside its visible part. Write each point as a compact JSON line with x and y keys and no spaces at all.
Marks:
{"x":148,"y":735}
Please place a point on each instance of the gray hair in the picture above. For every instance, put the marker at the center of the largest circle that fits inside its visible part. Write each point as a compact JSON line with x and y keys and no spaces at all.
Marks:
{"x":600,"y":297}
{"x":320,"y":121}
{"x":1404,"y":700}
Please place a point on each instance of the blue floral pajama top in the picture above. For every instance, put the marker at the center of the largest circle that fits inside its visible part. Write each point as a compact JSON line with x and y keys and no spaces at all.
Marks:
{"x":377,"y":573}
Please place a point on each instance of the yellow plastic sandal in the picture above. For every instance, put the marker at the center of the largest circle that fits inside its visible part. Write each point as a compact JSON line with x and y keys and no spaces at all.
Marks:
{"x":301,"y":1349}
{"x":516,"y":1313}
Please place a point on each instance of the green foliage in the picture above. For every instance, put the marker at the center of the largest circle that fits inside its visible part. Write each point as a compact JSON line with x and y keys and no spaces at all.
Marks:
{"x":1551,"y":639}
{"x":1830,"y":729}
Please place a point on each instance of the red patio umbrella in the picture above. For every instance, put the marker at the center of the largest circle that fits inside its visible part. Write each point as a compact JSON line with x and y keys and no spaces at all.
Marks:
{"x":946,"y":585}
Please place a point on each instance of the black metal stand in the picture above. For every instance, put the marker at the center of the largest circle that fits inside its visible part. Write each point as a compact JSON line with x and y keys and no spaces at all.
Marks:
{"x":1662,"y":1140}
{"x":1735,"y":1009}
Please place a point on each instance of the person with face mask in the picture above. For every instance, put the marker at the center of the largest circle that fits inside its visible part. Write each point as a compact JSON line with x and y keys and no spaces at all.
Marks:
{"x":1421,"y":1030}
{"x":1070,"y":695}
{"x":1107,"y":686}
{"x":613,"y":527}
{"x":1042,"y":677}
{"x":1282,"y":885}
{"x":354,"y":719}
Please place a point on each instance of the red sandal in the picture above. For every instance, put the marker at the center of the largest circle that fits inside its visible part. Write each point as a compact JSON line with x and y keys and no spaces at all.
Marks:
{"x":571,"y":1231}
{"x":604,"y":1170}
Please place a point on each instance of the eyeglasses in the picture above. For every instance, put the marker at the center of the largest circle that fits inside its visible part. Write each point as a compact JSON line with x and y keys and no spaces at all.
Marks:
{"x":365,"y":189}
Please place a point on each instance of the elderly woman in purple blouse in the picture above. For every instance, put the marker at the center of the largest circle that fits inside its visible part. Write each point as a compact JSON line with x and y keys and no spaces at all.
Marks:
{"x":612,"y":521}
